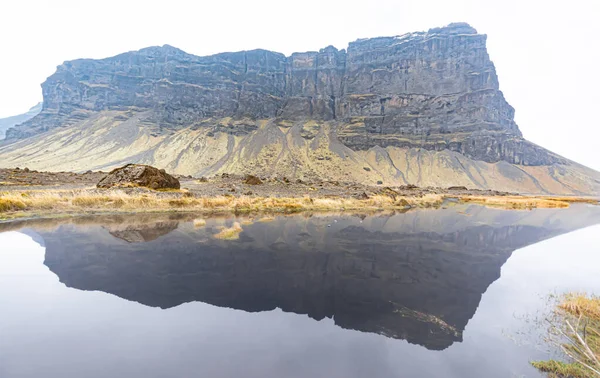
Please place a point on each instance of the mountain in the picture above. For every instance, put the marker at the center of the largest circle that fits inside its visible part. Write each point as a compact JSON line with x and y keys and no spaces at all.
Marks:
{"x":418,"y":276}
{"x":422,"y":108}
{"x":7,"y":123}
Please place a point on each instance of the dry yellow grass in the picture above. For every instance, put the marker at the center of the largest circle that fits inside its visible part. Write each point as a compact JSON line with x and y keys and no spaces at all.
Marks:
{"x":230,"y":233}
{"x":514,"y":202}
{"x":578,"y":326}
{"x":266,"y":219}
{"x":199,"y":223}
{"x":590,"y":200}
{"x":78,"y":201}
{"x":578,"y":304}
{"x":39,"y":202}
{"x":11,"y":204}
{"x":247,"y":221}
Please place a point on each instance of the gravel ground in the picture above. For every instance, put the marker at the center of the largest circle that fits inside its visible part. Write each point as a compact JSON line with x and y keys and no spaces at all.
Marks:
{"x":24,"y":179}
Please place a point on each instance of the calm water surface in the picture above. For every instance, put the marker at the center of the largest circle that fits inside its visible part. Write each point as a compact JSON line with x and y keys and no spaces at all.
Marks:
{"x":439,"y":293}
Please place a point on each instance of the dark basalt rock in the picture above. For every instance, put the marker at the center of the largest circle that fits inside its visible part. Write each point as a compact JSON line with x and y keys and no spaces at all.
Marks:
{"x":139,"y":175}
{"x":434,"y":90}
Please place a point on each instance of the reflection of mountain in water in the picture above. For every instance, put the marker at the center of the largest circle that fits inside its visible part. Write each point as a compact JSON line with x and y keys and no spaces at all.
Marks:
{"x":139,"y":233}
{"x":417,"y":276}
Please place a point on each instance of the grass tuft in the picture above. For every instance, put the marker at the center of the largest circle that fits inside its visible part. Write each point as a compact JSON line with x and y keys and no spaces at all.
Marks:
{"x":559,"y":369}
{"x":579,"y":329}
{"x":11,"y":204}
{"x":231,"y":233}
{"x":581,"y":305}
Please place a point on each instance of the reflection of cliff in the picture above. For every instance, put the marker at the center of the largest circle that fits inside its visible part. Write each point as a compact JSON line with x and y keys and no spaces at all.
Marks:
{"x":144,"y":232}
{"x":416,"y":276}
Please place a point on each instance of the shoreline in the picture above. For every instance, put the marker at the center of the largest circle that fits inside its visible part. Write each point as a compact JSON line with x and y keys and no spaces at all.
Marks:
{"x":56,"y":203}
{"x":30,"y":194}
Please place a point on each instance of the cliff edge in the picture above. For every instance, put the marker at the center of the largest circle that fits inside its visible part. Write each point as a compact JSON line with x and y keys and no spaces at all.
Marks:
{"x":423,"y":108}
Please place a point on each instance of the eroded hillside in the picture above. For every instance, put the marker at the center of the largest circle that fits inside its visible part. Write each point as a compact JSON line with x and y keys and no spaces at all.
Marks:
{"x":423,"y":108}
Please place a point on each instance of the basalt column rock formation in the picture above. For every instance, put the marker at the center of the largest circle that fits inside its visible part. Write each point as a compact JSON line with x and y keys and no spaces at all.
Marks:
{"x":422,"y":108}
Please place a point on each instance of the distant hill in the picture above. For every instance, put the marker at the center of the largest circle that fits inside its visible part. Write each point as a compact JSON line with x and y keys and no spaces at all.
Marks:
{"x":422,"y":108}
{"x":7,"y":123}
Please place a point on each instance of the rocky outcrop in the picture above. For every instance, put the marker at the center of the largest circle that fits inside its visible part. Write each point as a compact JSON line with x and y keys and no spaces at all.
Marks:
{"x":139,"y":175}
{"x":419,"y":93}
{"x":436,"y":90}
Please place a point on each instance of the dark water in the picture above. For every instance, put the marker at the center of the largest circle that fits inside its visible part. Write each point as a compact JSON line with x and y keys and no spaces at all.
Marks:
{"x":440,"y":293}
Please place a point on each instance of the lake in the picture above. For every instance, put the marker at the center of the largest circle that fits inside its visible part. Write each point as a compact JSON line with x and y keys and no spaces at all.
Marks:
{"x":455,"y":292}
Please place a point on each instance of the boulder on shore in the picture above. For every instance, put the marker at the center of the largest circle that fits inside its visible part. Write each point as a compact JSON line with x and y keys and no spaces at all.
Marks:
{"x":139,"y":175}
{"x":252,"y":180}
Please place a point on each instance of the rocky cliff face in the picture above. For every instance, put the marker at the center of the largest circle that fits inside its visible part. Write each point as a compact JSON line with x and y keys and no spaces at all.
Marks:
{"x":435,"y":91}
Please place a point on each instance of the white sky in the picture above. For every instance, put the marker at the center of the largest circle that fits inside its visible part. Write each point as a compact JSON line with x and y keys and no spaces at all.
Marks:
{"x":546,"y":52}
